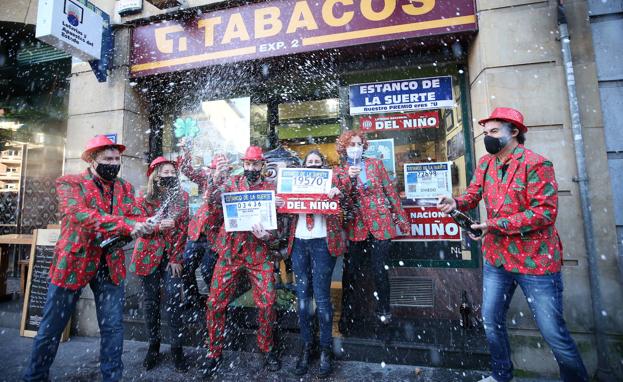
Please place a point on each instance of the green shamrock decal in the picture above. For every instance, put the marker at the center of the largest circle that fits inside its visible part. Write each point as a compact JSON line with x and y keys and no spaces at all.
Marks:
{"x":186,"y":128}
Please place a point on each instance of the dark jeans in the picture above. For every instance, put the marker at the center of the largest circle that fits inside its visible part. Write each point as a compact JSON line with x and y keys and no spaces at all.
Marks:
{"x":353,"y":275}
{"x":59,"y":307}
{"x":151,"y":294}
{"x":197,"y":253}
{"x":544,"y":295}
{"x":313,"y":266}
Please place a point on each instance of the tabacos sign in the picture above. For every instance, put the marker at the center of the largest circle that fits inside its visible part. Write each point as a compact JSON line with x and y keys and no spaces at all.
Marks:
{"x":275,"y":28}
{"x":430,"y":224}
{"x":423,"y":120}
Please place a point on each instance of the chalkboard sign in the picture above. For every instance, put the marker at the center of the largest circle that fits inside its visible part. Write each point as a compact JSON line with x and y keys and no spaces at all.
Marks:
{"x":41,"y":255}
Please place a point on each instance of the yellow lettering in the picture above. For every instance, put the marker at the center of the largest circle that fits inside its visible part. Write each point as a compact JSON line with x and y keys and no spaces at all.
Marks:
{"x":267,"y":17}
{"x":164,"y":44}
{"x":424,"y":7}
{"x":302,"y":17}
{"x":329,"y":16}
{"x":208,"y":24}
{"x":388,"y":8}
{"x":235,"y":29}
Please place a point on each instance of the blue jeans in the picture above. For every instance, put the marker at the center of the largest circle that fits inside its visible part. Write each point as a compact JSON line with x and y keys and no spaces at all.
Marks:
{"x":313,"y":266}
{"x":197,"y":253}
{"x":173,"y":291}
{"x":59,"y":307}
{"x":544,"y":295}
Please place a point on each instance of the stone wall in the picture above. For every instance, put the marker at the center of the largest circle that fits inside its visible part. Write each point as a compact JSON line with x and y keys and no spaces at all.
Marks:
{"x":516,"y":61}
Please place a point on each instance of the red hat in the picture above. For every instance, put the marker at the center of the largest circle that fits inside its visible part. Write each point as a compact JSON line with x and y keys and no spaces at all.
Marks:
{"x":158,"y":161}
{"x":253,"y":153}
{"x":213,"y":162}
{"x":508,"y":115}
{"x":97,"y":143}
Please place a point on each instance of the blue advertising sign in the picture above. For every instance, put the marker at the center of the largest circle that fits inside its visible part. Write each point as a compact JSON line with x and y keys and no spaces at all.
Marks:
{"x":401,"y":95}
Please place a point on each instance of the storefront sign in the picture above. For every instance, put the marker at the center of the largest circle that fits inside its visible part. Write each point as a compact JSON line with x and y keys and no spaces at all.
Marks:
{"x":74,"y":26}
{"x":423,"y":120}
{"x":430,"y":224}
{"x":277,"y":28}
{"x":308,"y":204}
{"x":383,"y":149}
{"x":401,"y":95}
{"x":428,"y":180}
{"x":242,"y":210}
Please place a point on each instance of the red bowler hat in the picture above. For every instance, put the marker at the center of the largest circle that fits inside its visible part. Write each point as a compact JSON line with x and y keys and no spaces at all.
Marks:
{"x":508,"y":115}
{"x":97,"y":143}
{"x":158,"y":161}
{"x":253,"y":153}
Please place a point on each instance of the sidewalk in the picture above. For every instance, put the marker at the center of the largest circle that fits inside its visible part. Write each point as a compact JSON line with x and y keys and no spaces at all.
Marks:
{"x":77,"y":360}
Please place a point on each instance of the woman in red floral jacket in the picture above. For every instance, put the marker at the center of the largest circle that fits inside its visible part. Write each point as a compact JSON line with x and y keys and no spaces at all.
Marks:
{"x":375,"y":211}
{"x":157,"y":258}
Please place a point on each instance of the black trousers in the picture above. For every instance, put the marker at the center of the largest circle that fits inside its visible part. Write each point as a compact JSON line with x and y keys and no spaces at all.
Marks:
{"x":356,"y":296}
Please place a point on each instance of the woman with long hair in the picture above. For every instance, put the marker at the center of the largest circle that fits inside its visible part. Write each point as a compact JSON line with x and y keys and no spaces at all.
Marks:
{"x":375,"y":209}
{"x":157,"y":258}
{"x":314,"y":244}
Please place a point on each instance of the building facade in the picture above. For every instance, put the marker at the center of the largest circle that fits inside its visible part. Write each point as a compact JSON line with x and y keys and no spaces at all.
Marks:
{"x":231,"y":71}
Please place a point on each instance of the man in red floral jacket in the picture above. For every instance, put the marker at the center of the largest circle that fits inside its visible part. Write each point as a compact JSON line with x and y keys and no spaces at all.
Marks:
{"x":241,"y":253}
{"x":520,"y":242}
{"x":94,"y":205}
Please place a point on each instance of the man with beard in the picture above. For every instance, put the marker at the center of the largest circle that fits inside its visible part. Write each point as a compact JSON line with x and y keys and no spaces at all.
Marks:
{"x":94,"y":205}
{"x":521,"y":245}
{"x":238,"y":253}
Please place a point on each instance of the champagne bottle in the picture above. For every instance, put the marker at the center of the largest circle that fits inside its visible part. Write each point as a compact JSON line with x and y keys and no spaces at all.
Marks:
{"x":465,"y":222}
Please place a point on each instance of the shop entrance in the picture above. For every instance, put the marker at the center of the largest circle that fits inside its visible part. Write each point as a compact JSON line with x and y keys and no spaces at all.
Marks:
{"x":298,"y":104}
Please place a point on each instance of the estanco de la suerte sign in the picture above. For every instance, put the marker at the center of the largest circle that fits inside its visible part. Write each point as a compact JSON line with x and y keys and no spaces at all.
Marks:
{"x":74,"y":26}
{"x":276,"y":28}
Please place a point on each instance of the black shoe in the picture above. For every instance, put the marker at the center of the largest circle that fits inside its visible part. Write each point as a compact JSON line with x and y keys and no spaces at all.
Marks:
{"x":302,"y":362}
{"x":271,"y":361}
{"x":179,"y":361}
{"x":326,"y":362}
{"x":209,"y":367}
{"x":153,"y":356}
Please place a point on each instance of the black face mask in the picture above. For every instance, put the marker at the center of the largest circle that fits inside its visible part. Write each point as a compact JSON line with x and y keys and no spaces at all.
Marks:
{"x":168,"y":182}
{"x":495,"y":145}
{"x":317,"y":166}
{"x":252,"y":175}
{"x":108,"y":171}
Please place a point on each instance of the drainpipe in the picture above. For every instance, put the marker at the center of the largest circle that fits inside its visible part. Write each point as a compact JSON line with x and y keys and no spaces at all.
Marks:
{"x":604,"y":372}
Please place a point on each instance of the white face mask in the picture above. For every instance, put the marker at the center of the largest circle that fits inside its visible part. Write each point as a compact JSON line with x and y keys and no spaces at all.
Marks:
{"x":354,"y":152}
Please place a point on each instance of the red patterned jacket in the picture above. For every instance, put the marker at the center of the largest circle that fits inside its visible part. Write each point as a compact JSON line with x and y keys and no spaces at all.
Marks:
{"x":91,"y":211}
{"x":335,"y":238}
{"x":149,"y":250}
{"x":239,"y":245}
{"x":377,"y":206}
{"x":521,"y":208}
{"x":208,"y":219}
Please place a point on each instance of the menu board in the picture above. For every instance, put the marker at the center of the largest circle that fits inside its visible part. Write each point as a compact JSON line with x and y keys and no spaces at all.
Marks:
{"x":38,"y":281}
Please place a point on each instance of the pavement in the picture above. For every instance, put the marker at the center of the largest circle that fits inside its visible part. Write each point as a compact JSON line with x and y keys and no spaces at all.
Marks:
{"x":77,"y":360}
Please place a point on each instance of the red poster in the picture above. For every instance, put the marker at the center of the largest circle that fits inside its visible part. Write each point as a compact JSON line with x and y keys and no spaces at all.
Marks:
{"x":410,"y":121}
{"x":430,"y":224}
{"x":308,"y":204}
